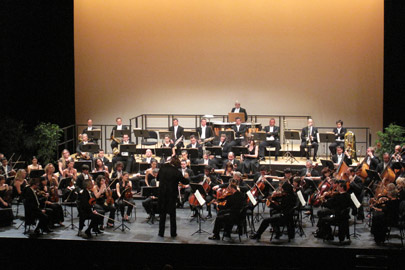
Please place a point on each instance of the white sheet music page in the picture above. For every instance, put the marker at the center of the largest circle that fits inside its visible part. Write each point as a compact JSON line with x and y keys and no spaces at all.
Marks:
{"x":200,"y":199}
{"x":251,"y":198}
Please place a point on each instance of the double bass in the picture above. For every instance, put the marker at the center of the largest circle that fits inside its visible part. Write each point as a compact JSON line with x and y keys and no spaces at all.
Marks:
{"x":206,"y":186}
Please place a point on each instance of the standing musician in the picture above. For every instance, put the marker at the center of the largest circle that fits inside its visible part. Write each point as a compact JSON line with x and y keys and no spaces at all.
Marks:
{"x":119,"y":126}
{"x":85,"y":175}
{"x":339,"y":132}
{"x":250,"y":161}
{"x":195,"y":145}
{"x":178,"y":132}
{"x":231,"y":159}
{"x":34,"y":165}
{"x":309,"y":139}
{"x":32,"y":208}
{"x":339,"y":155}
{"x":240,"y":132}
{"x":104,"y":201}
{"x":272,"y":139}
{"x":52,"y":209}
{"x":124,"y":193}
{"x":230,"y":213}
{"x":282,"y":213}
{"x":85,"y":204}
{"x":88,"y":128}
{"x":238,"y":109}
{"x":169,"y":177}
{"x":204,"y":131}
{"x":62,"y":161}
{"x":125,"y":156}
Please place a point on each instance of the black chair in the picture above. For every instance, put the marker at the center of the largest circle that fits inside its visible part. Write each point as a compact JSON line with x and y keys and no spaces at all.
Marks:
{"x":240,"y":223}
{"x":151,"y":140}
{"x":284,"y":223}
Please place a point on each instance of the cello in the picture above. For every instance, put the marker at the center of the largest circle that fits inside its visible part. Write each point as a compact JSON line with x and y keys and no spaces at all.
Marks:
{"x":206,"y":186}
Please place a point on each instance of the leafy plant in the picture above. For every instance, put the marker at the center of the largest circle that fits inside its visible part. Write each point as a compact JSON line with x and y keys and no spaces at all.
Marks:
{"x":392,"y":135}
{"x":47,"y":137}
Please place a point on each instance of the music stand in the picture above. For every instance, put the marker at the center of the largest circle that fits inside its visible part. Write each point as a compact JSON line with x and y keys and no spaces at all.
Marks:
{"x":94,"y":134}
{"x":230,"y":134}
{"x":130,"y":148}
{"x":148,"y":192}
{"x":96,"y":174}
{"x":79,"y":164}
{"x":143,"y":133}
{"x":187,"y":134}
{"x":90,"y":148}
{"x":327,"y":164}
{"x":192,"y":153}
{"x":238,"y":150}
{"x":121,"y":133}
{"x":122,"y":225}
{"x":36,"y":173}
{"x":214,"y":150}
{"x":291,"y":135}
{"x":163,"y":152}
{"x":225,"y":178}
{"x":200,"y":188}
{"x":197,"y":168}
{"x":328,"y":137}
{"x":232,"y":117}
{"x":259,"y":136}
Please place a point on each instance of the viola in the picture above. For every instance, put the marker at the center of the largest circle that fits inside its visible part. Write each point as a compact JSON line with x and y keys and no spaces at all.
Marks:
{"x":128,"y":192}
{"x":315,"y":198}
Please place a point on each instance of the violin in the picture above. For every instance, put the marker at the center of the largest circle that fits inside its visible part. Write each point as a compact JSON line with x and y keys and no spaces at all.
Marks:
{"x":128,"y":192}
{"x":275,"y":198}
{"x":315,"y":198}
{"x":222,"y":194}
{"x":109,"y":200}
{"x":92,"y":201}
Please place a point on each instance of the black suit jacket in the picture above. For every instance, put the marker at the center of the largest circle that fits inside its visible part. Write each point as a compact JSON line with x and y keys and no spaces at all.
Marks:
{"x":373,"y":163}
{"x":151,"y":160}
{"x":380,"y":167}
{"x":208,"y":132}
{"x":304,"y":134}
{"x":242,"y":130}
{"x":237,"y":162}
{"x":313,"y":172}
{"x":83,"y":203}
{"x":347,"y":160}
{"x":275,"y":133}
{"x":180,"y":132}
{"x":169,"y":178}
{"x":241,"y":110}
{"x":189,"y":171}
{"x":211,"y":162}
{"x":340,"y":135}
{"x":199,"y":148}
{"x":31,"y":203}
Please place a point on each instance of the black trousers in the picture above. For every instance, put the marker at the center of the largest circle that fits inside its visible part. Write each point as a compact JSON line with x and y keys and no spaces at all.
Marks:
{"x":43,"y":220}
{"x":224,"y":221}
{"x":304,"y":146}
{"x":121,"y":205}
{"x":104,"y":209}
{"x":265,"y":144}
{"x":95,"y":220}
{"x":150,"y":205}
{"x":162,"y":222}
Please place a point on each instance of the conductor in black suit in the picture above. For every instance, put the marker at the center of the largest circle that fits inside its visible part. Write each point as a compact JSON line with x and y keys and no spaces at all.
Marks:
{"x":169,"y":177}
{"x":178,"y":131}
{"x":238,"y":109}
{"x":119,"y":126}
{"x":272,"y":138}
{"x":309,"y":139}
{"x":339,"y":132}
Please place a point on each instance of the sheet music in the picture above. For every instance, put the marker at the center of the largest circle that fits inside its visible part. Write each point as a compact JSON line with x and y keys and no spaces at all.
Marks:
{"x":251,"y":198}
{"x":200,"y":199}
{"x":355,"y":201}
{"x":301,"y":198}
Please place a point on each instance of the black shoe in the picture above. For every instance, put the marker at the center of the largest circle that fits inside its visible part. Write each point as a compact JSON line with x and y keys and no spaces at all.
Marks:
{"x":88,"y":233}
{"x":173,"y":235}
{"x":255,"y":236}
{"x":194,"y":215}
{"x":276,"y":158}
{"x":161,"y":234}
{"x":208,"y":216}
{"x":47,"y":230}
{"x":97,"y":231}
{"x":314,"y":159}
{"x":214,"y":237}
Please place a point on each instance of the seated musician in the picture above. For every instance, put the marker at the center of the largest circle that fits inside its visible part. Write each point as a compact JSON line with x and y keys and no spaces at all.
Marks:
{"x":334,"y":209}
{"x":239,"y":109}
{"x":79,"y":148}
{"x":68,"y":187}
{"x":224,"y":144}
{"x":401,"y":188}
{"x":106,"y":161}
{"x":86,"y":210}
{"x":62,"y":161}
{"x":242,"y":186}
{"x":185,"y":189}
{"x":231,"y":159}
{"x":148,"y":157}
{"x":34,"y":165}
{"x":19,"y":183}
{"x":118,"y":170}
{"x":384,"y":163}
{"x":99,"y":166}
{"x":261,"y":177}
{"x":250,"y":160}
{"x":308,"y":174}
{"x":195,"y":145}
{"x":184,"y":156}
{"x":205,"y":132}
{"x":100,"y":190}
{"x":6,"y":212}
{"x":85,"y":175}
{"x":150,"y":203}
{"x":52,"y":209}
{"x":229,"y":170}
{"x":125,"y":156}
{"x":272,"y":139}
{"x":167,"y":143}
{"x":357,"y":187}
{"x":385,"y":213}
{"x":337,"y":158}
{"x":371,"y":160}
{"x":288,"y":177}
{"x":119,"y":126}
{"x":240,"y":132}
{"x":229,"y":214}
{"x":309,"y":139}
{"x":282,"y":213}
{"x":208,"y":160}
{"x":6,"y":169}
{"x":124,"y":194}
{"x":339,"y":132}
{"x":178,"y":132}
{"x":88,"y":128}
{"x":32,"y":207}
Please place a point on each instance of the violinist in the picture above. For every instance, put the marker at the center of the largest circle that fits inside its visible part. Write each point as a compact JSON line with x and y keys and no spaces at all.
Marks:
{"x":308,"y":174}
{"x":149,"y":174}
{"x":101,"y":167}
{"x":6,"y":212}
{"x":85,"y":206}
{"x":6,"y":169}
{"x":209,"y":180}
{"x":288,"y":177}
{"x":356,"y":187}
{"x":70,"y":171}
{"x":124,"y":193}
{"x":19,"y":183}
{"x":401,"y":188}
{"x":261,"y":183}
{"x":150,"y":203}
{"x":337,"y":158}
{"x":118,"y":171}
{"x":237,"y":176}
{"x":208,"y":160}
{"x":34,"y":165}
{"x":282,"y":214}
{"x":229,"y":170}
{"x":335,"y":210}
{"x":184,"y":157}
{"x":231,"y":159}
{"x":103,"y":205}
{"x":385,"y":213}
{"x":62,"y":162}
{"x":85,"y":175}
{"x":324,"y":186}
{"x":229,"y":214}
{"x":52,"y":209}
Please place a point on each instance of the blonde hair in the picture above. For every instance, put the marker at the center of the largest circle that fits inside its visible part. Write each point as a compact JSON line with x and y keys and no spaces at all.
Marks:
{"x":19,"y":173}
{"x":48,"y":166}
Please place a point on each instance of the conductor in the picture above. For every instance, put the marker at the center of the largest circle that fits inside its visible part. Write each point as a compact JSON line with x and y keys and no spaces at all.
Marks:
{"x":169,"y":177}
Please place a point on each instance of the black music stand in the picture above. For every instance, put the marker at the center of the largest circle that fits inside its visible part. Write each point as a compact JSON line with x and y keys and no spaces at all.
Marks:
{"x":198,"y":168}
{"x":130,"y":148}
{"x":143,"y":133}
{"x":214,"y":150}
{"x":79,"y":164}
{"x":122,"y":226}
{"x":187,"y":134}
{"x":259,"y":136}
{"x":225,"y":178}
{"x":291,"y":135}
{"x":238,"y":150}
{"x":164,"y":152}
{"x":230,"y":134}
{"x":71,"y":204}
{"x":200,"y":188}
{"x":90,"y":147}
{"x":327,"y":164}
{"x":326,"y":138}
{"x":192,"y":153}
{"x":148,"y":192}
{"x":36,"y":173}
{"x":121,"y":133}
{"x":94,"y":134}
{"x":94,"y":175}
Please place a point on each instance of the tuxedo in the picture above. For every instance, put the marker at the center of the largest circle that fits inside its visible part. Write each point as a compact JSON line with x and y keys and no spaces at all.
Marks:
{"x":226,"y":146}
{"x":240,"y":134}
{"x":347,"y":160}
{"x":200,"y":152}
{"x":339,"y":137}
{"x":380,"y":167}
{"x":314,"y":141}
{"x":241,"y":110}
{"x":179,"y":133}
{"x":208,"y":132}
{"x":211,"y":162}
{"x":272,"y":139}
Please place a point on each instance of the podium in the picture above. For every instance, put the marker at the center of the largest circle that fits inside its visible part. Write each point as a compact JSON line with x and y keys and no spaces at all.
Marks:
{"x":291,"y":135}
{"x":232,"y":116}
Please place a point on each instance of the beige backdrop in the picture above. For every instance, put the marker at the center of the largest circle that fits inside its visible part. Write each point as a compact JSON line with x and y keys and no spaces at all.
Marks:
{"x":312,"y":57}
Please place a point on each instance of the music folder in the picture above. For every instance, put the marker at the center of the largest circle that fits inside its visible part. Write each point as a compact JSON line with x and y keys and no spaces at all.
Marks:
{"x":121,"y":133}
{"x":36,"y":173}
{"x":94,"y":134}
{"x":90,"y":147}
{"x":327,"y":137}
{"x":163,"y":152}
{"x":149,"y":191}
{"x":130,"y":148}
{"x":214,"y":150}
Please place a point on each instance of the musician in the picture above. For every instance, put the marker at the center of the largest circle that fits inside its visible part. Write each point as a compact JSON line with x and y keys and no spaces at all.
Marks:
{"x":106,"y":161}
{"x":19,"y":183}
{"x":231,"y":159}
{"x":229,"y":170}
{"x":224,"y":144}
{"x":339,"y":132}
{"x":208,"y":160}
{"x":125,"y":156}
{"x":309,"y":139}
{"x":149,"y":174}
{"x":357,"y":187}
{"x":88,"y":128}
{"x":6,"y":169}
{"x":6,"y":212}
{"x":205,"y":132}
{"x":288,"y":177}
{"x":401,"y":188}
{"x":195,"y":145}
{"x":148,"y":157}
{"x":62,"y":161}
{"x":185,"y":189}
{"x":398,"y":155}
{"x":184,"y":156}
{"x":32,"y":207}
{"x":282,"y":214}
{"x":85,"y":175}
{"x":119,"y":126}
{"x":52,"y":209}
{"x":150,"y":204}
{"x":34,"y":165}
{"x":86,"y":210}
{"x":371,"y":160}
{"x":118,"y":171}
{"x":79,"y":148}
{"x":307,"y":174}
{"x":239,"y":109}
{"x":250,"y":161}
{"x":229,"y":214}
{"x":242,"y":186}
{"x":178,"y":131}
{"x":334,"y":209}
{"x":337,"y":158}
{"x":100,"y":192}
{"x":169,"y":178}
{"x":272,"y":139}
{"x":386,"y":162}
{"x":124,"y":193}
{"x":240,"y":131}
{"x":70,"y":171}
